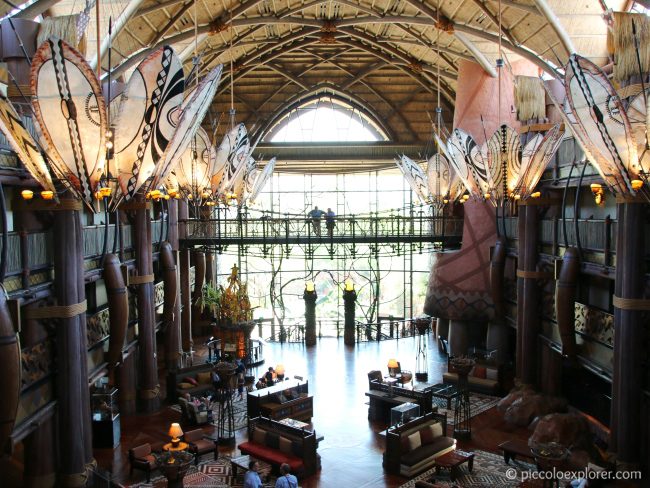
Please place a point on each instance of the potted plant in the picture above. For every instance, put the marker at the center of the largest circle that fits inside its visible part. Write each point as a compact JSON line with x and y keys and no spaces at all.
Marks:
{"x":211,"y":299}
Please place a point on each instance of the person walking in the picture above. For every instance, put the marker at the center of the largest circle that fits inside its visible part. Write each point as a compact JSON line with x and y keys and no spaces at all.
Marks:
{"x":316,"y":215}
{"x":252,"y":478}
{"x":286,"y":480}
{"x":329,"y":222}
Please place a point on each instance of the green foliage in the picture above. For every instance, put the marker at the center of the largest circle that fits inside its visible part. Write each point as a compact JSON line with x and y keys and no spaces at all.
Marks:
{"x":211,"y":299}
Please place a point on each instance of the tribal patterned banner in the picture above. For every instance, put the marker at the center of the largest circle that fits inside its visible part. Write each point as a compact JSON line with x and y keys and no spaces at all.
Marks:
{"x":601,"y":123}
{"x":71,"y":115}
{"x":190,"y":120}
{"x":236,"y":148}
{"x":149,"y":107}
{"x":192,"y":174}
{"x":415,"y":177}
{"x":261,"y":180}
{"x":24,"y":144}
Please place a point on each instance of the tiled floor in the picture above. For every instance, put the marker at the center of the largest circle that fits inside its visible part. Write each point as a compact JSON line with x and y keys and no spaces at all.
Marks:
{"x":352,"y":449}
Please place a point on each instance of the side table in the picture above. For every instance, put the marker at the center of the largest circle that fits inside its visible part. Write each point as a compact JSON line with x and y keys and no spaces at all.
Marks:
{"x":182,"y":446}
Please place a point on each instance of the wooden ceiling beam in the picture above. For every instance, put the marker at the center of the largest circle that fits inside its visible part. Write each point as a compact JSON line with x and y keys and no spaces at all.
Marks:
{"x":495,"y":20}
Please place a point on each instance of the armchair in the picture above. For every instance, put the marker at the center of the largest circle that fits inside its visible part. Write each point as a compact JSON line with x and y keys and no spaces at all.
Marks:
{"x":192,"y":414}
{"x":201,"y":444}
{"x":141,"y":458}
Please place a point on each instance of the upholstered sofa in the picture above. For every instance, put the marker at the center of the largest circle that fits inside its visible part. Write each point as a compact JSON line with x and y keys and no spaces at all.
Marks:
{"x":485,"y":377}
{"x":277,"y":443}
{"x":183,"y":381}
{"x":413,"y":447}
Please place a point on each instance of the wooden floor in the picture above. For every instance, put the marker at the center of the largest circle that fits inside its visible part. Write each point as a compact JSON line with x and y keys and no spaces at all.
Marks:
{"x":352,"y":449}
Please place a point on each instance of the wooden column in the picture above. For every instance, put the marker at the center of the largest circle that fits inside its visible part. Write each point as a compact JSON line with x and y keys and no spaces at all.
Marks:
{"x":551,"y":363}
{"x":186,"y":299}
{"x":629,"y":338}
{"x":528,"y":294}
{"x":199,"y":278}
{"x":173,"y":241}
{"x":148,"y":368}
{"x":209,"y":268}
{"x":74,"y":432}
{"x":349,"y":331}
{"x":172,"y":332}
{"x":127,"y":381}
{"x":310,"y":317}
{"x":40,"y":456}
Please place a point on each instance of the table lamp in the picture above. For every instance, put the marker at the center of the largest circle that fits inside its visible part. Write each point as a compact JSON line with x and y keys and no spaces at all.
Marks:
{"x":279,"y":370}
{"x":392,"y":367}
{"x":175,"y":432}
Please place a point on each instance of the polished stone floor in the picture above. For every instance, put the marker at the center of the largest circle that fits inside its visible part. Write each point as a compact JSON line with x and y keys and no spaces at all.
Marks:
{"x":352,"y":449}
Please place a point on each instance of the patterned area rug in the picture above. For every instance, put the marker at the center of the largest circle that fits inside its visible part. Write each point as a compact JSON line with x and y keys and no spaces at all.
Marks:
{"x":478,"y":404}
{"x":239,"y":412}
{"x":489,"y":470}
{"x":208,"y":474}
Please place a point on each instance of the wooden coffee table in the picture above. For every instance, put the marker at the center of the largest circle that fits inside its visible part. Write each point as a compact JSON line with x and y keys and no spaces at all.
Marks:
{"x":453,"y":460}
{"x":243,"y":462}
{"x":513,"y":448}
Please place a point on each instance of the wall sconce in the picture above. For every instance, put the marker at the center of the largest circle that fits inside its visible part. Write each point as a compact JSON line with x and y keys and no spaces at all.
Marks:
{"x":486,"y":196}
{"x":599,"y":193}
{"x":175,"y":432}
{"x":637,"y":185}
{"x":445,"y":201}
{"x":537,"y":194}
{"x":47,"y":195}
{"x":309,"y":287}
{"x":464,"y":198}
{"x":27,"y":194}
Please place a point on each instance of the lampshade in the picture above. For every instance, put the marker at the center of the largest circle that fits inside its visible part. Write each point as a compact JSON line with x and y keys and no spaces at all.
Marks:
{"x":392,"y":363}
{"x":309,"y":286}
{"x":175,"y":430}
{"x":349,"y":285}
{"x":279,"y":369}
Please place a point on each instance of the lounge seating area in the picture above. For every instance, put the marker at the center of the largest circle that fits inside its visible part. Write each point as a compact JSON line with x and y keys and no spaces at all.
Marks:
{"x":414,"y":446}
{"x":277,"y":443}
{"x":195,"y":380}
{"x":485,"y":377}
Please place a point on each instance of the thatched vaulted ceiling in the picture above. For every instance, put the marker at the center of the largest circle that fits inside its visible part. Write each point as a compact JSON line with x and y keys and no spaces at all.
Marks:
{"x":391,"y":58}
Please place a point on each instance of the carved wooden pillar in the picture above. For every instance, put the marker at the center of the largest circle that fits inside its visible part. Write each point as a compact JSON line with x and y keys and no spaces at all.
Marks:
{"x":209,"y":267}
{"x":551,"y":364}
{"x":173,"y":241}
{"x":126,"y":381}
{"x":172,"y":332}
{"x":40,"y":456}
{"x":528,"y":313}
{"x":74,"y":432}
{"x":199,"y":279}
{"x":629,"y":338}
{"x":148,"y":367}
{"x":184,"y":261}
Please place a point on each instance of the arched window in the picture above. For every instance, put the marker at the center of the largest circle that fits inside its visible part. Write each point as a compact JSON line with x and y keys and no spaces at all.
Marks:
{"x":325,"y":119}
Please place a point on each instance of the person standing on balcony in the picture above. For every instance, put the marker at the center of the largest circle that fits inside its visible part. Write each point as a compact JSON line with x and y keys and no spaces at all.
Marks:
{"x":329,"y":222}
{"x":316,"y":215}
